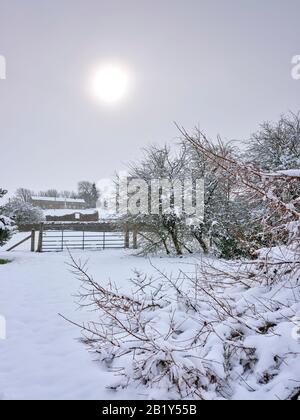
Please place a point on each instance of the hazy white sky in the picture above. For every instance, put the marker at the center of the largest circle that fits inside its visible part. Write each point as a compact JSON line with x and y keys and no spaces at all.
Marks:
{"x":223,"y":65}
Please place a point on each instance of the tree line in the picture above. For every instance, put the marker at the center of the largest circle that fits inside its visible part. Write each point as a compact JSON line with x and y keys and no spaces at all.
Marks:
{"x":234,"y":221}
{"x":20,"y":210}
{"x":86,"y":190}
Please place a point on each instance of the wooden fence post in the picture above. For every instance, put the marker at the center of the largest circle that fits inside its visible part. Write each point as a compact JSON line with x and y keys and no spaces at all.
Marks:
{"x":135,"y":239}
{"x":40,"y":245}
{"x":62,"y":239}
{"x":127,"y":239}
{"x":32,"y":240}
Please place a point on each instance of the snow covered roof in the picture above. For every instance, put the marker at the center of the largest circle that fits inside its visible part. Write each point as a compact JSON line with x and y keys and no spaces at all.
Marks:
{"x":58,"y":199}
{"x":66,"y":212}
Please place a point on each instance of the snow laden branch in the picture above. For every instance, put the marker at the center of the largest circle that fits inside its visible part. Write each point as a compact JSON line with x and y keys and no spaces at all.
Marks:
{"x":212,"y":332}
{"x":278,"y":192}
{"x":247,"y":175}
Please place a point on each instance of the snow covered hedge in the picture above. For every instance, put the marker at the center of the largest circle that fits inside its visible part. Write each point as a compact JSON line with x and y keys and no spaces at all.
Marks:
{"x":6,"y":224}
{"x":6,"y":229}
{"x":23,"y":213}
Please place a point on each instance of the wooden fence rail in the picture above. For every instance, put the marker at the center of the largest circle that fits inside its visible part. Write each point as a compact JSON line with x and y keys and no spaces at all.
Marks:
{"x":19,"y":243}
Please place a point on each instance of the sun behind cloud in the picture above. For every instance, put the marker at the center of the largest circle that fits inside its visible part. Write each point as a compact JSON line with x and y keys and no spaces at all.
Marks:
{"x":110,"y":83}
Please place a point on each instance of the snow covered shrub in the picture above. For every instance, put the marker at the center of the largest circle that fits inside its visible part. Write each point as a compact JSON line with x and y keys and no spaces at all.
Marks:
{"x":147,"y":335}
{"x":23,"y":212}
{"x":276,"y":146}
{"x":6,"y":224}
{"x":6,"y":229}
{"x":237,"y":233}
{"x":224,"y":332}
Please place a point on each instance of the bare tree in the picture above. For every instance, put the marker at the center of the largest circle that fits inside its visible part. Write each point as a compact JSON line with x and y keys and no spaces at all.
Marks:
{"x":276,"y":146}
{"x":53,"y":193}
{"x":89,"y":193}
{"x":165,"y":229}
{"x":24,"y":195}
{"x":68,"y":194}
{"x":218,"y":191}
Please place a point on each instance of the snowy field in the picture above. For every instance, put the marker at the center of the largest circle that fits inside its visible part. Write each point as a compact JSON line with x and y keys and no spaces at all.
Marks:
{"x":41,"y":357}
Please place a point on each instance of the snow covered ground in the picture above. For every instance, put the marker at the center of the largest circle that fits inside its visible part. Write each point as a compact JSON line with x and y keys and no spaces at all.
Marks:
{"x":41,"y":357}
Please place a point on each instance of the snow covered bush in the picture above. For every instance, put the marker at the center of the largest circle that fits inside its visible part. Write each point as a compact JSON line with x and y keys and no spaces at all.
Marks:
{"x":6,"y":229}
{"x":226,"y":331}
{"x":276,"y":146}
{"x":6,"y":224}
{"x":23,"y":212}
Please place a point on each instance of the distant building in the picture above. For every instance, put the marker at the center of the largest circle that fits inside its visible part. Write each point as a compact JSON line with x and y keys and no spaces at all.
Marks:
{"x":58,"y":203}
{"x":71,"y":216}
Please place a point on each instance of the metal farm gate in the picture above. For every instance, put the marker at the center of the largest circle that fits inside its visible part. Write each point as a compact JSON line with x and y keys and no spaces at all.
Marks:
{"x":56,"y":237}
{"x":59,"y":241}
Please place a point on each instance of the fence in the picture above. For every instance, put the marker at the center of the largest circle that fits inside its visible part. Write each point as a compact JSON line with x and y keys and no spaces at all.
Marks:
{"x":62,"y":237}
{"x":58,"y":241}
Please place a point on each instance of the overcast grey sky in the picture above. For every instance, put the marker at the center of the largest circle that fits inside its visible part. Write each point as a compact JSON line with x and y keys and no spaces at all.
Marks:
{"x":222,"y":64}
